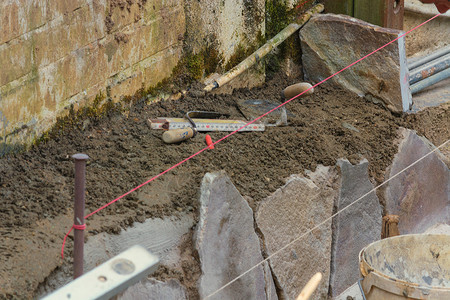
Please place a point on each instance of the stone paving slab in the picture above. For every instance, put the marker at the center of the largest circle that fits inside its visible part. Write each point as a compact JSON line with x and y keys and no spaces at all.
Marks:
{"x":421,"y":194}
{"x":354,"y":228}
{"x":287,"y":214}
{"x":227,"y":243}
{"x":151,"y":289}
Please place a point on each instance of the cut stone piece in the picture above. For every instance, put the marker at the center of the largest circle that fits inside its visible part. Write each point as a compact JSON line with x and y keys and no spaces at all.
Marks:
{"x":355,"y":227}
{"x":151,"y":289}
{"x":420,"y":194}
{"x":332,"y":42}
{"x":227,"y":243}
{"x":289,"y":213}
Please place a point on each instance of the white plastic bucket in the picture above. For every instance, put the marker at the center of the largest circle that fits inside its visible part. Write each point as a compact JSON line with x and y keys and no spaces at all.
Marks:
{"x":415,"y":266}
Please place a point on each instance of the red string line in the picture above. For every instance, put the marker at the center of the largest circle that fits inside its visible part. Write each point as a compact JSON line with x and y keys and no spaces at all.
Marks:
{"x":64,"y":242}
{"x":237,"y":130}
{"x":74,"y":226}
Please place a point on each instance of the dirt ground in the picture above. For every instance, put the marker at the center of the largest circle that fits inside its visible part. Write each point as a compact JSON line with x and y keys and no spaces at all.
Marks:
{"x":36,"y":187}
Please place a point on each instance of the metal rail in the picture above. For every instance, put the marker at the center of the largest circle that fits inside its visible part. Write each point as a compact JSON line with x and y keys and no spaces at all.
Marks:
{"x":423,"y":84}
{"x":430,"y":69}
{"x":427,"y":59}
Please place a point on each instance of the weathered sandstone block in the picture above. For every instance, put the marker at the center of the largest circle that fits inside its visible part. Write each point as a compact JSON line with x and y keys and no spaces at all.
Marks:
{"x":332,"y":42}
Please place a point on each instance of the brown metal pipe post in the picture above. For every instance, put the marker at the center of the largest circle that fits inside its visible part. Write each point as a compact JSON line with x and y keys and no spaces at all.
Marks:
{"x":80,"y":187}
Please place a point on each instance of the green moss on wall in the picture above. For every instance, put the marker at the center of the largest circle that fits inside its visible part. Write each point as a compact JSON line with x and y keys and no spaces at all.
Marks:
{"x":242,"y":52}
{"x":278,"y":16}
{"x":204,"y":63}
{"x":211,"y":58}
{"x":195,"y":65}
{"x":94,"y":113}
{"x":34,"y":66}
{"x":239,"y":54}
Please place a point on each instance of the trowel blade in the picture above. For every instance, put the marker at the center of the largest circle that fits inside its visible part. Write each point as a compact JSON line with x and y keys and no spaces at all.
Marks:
{"x":253,"y":108}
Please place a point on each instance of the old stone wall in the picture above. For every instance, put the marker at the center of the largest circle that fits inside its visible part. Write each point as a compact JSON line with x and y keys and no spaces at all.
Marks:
{"x":230,"y":30}
{"x":226,"y":25}
{"x":55,"y":54}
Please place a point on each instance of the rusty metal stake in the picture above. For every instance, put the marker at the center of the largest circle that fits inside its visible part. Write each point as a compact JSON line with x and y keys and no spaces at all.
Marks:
{"x":80,"y":187}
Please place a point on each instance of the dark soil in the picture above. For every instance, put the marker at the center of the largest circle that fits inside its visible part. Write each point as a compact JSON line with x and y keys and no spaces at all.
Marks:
{"x":37,"y":186}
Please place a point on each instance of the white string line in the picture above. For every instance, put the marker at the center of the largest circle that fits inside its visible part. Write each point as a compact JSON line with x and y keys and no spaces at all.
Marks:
{"x":325,"y":221}
{"x":357,"y":199}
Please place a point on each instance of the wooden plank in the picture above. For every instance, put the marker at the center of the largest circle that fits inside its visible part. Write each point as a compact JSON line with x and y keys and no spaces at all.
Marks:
{"x":385,"y":13}
{"x":344,"y":7}
{"x":371,"y":11}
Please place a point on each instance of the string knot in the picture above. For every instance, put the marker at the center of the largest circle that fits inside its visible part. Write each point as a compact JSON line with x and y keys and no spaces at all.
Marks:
{"x":79,"y":227}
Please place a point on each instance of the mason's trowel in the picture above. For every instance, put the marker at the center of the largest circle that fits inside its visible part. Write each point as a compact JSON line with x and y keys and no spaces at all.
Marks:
{"x":253,"y":108}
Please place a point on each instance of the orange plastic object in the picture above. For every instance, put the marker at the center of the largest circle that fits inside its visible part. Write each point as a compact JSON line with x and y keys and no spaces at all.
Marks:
{"x":441,"y":5}
{"x":209,"y":141}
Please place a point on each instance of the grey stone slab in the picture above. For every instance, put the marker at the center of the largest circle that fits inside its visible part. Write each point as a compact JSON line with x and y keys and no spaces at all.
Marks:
{"x":332,"y":42}
{"x":227,"y":243}
{"x":151,"y":289}
{"x":353,"y":291}
{"x":288,"y":214}
{"x":421,"y":194}
{"x":355,"y":227}
{"x":159,"y":236}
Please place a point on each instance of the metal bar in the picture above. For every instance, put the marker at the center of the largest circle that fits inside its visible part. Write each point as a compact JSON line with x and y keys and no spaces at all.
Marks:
{"x":361,"y":289}
{"x":426,"y":59}
{"x":80,"y":187}
{"x":111,"y":277}
{"x":421,"y":85}
{"x":430,"y":69}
